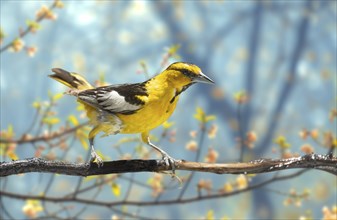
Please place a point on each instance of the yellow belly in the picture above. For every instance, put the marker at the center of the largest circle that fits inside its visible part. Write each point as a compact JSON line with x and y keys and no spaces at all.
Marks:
{"x":149,"y":117}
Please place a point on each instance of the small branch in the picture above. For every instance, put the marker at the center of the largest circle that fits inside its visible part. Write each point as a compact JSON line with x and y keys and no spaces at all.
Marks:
{"x":151,"y":203}
{"x":310,"y":161}
{"x":29,"y":28}
{"x":24,"y":140}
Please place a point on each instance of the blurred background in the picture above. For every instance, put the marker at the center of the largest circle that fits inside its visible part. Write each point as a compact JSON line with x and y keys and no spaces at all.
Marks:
{"x":274,"y":64}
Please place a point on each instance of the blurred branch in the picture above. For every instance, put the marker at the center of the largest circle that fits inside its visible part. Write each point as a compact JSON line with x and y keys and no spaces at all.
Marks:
{"x":25,"y":139}
{"x":289,"y":82}
{"x":311,"y":161}
{"x":29,"y":28}
{"x":250,"y":71}
{"x":152,"y":203}
{"x":197,"y":157}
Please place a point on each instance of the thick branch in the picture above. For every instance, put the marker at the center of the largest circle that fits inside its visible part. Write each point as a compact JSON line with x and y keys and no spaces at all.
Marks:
{"x":312,"y":161}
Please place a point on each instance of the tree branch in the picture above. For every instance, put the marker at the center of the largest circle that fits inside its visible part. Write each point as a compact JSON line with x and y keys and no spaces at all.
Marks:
{"x":29,"y":28}
{"x":55,"y":135}
{"x":150,"y":203}
{"x":311,"y":161}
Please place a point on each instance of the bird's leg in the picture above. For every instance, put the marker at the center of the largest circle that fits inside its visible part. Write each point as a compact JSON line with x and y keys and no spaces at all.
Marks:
{"x":94,"y":155}
{"x":169,"y":161}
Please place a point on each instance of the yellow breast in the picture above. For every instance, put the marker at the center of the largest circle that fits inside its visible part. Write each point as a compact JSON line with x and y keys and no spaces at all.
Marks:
{"x":158,"y":108}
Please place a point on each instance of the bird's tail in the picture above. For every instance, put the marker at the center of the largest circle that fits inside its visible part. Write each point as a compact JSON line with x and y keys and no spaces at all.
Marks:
{"x":74,"y":81}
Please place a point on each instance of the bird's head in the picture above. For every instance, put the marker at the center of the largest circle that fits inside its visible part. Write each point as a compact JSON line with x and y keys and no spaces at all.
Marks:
{"x":184,"y":74}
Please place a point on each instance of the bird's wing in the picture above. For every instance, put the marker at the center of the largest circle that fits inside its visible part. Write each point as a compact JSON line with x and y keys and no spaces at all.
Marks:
{"x":123,"y":99}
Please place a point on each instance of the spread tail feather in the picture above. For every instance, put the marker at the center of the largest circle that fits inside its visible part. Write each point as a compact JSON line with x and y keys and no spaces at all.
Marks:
{"x":72,"y":80}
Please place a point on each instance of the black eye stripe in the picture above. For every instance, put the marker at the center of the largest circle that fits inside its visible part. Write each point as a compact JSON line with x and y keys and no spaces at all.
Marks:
{"x":186,"y":72}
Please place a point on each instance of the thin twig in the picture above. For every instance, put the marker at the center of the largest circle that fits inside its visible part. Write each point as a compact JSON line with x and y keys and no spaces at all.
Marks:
{"x":153,"y":203}
{"x":197,"y":157}
{"x":29,"y":28}
{"x":43,"y":138}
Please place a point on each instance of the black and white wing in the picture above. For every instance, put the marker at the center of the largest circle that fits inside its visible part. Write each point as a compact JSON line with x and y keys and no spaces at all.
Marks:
{"x":123,"y":99}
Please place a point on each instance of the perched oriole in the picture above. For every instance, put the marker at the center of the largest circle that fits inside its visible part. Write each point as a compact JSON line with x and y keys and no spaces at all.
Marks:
{"x":132,"y":108}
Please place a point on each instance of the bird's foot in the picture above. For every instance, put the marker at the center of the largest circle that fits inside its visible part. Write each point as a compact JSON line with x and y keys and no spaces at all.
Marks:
{"x":169,"y":161}
{"x":96,"y":159}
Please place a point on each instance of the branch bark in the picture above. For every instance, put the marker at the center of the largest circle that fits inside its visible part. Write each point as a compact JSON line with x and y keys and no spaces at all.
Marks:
{"x":326,"y":163}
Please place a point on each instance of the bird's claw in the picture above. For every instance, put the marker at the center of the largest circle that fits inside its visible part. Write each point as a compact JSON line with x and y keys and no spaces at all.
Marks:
{"x":96,"y":159}
{"x":169,"y":162}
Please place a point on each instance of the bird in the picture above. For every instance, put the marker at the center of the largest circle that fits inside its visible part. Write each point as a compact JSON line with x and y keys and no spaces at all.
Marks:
{"x":132,"y":108}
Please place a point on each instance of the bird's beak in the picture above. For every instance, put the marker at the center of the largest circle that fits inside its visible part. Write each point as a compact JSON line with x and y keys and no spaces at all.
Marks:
{"x":202,"y":78}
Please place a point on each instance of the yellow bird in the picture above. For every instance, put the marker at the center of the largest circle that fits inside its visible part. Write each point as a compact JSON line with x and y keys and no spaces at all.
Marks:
{"x":132,"y":108}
